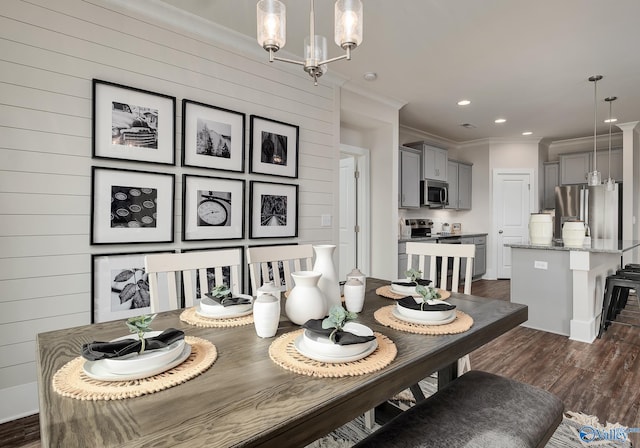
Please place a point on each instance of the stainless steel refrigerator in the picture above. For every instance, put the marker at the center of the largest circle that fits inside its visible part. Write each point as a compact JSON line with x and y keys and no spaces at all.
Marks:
{"x":599,"y":208}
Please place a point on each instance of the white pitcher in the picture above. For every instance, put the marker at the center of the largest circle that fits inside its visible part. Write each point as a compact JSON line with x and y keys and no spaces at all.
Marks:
{"x":329,"y":283}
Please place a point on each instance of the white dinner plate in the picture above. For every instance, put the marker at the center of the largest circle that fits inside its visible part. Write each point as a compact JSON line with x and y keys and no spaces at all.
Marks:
{"x":211,"y":309}
{"x":397,"y":315}
{"x":134,"y":362}
{"x":322,"y":345}
{"x":305,"y":351}
{"x":97,"y":371}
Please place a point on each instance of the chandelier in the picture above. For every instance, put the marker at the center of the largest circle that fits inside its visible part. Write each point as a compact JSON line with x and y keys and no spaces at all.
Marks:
{"x":271,"y":21}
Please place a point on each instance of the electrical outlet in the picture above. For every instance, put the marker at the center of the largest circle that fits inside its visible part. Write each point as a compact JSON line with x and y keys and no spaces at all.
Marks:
{"x":540,"y":265}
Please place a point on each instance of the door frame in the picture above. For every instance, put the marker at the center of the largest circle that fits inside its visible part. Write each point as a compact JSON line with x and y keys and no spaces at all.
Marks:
{"x":362,"y":158}
{"x":494,"y":210}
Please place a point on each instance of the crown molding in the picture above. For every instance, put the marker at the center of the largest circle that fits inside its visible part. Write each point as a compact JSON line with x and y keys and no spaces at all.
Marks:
{"x":429,"y":137}
{"x":386,"y":100}
{"x":602,"y":142}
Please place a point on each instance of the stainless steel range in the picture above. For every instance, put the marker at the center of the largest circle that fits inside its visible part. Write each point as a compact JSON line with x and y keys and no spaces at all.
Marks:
{"x":420,"y":227}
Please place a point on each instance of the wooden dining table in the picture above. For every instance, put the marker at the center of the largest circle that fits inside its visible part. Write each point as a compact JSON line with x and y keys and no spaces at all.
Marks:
{"x":244,"y":398}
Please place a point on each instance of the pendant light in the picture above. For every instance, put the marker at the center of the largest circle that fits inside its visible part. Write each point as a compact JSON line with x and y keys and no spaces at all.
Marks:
{"x":594,"y":177}
{"x":610,"y":182}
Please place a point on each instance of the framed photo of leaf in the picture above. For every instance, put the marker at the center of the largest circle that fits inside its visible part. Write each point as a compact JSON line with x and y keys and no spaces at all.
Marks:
{"x":120,"y":288}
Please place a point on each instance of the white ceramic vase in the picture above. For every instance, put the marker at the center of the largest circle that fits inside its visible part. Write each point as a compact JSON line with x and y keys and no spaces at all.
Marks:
{"x":266,"y":315}
{"x":540,"y":229}
{"x":355,"y":273}
{"x":269,"y":288}
{"x":305,"y":300}
{"x":354,"y":295}
{"x":329,"y":283}
{"x":573,"y":233}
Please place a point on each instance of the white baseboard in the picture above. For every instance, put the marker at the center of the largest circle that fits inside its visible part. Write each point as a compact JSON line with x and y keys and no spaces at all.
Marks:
{"x":18,"y":401}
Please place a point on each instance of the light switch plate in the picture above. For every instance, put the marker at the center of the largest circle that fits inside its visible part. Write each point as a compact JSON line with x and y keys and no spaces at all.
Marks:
{"x":540,"y":265}
{"x":325,"y":220}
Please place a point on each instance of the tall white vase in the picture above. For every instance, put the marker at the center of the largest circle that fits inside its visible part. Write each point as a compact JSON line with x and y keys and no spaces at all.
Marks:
{"x":329,"y":283}
{"x":305,"y":300}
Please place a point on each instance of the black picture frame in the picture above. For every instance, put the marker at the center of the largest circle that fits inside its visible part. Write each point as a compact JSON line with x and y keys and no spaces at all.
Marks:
{"x":142,"y":124}
{"x":273,"y":147}
{"x":212,"y":137}
{"x":131,"y":206}
{"x":212,"y":208}
{"x":242,"y":280}
{"x":119,"y":286}
{"x":273,"y":210}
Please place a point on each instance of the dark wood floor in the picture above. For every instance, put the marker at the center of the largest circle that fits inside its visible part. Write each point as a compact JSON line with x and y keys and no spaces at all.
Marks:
{"x":601,"y":379}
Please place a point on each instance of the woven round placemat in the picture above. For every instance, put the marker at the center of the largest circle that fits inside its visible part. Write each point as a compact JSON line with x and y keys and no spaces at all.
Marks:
{"x":283,"y":352}
{"x":192,"y":318}
{"x":71,"y":381}
{"x":385,"y":291}
{"x":461,"y":323}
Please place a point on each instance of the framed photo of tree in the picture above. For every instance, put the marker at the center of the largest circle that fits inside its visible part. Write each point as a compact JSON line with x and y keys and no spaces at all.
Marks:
{"x":119,"y":287}
{"x":133,"y":124}
{"x":131,"y":206}
{"x":212,"y":208}
{"x":212,"y":137}
{"x":274,"y":210}
{"x":274,"y":147}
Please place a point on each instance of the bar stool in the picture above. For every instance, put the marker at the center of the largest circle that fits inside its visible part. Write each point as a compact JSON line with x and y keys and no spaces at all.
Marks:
{"x":616,"y":292}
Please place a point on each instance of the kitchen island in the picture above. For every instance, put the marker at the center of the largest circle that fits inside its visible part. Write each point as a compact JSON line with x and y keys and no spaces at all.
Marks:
{"x":564,"y":286}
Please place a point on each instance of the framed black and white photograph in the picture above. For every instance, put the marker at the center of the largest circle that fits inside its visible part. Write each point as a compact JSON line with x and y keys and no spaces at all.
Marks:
{"x":274,"y":210}
{"x":133,"y":124}
{"x":212,"y":208}
{"x":226,"y":271}
{"x":212,"y":137}
{"x":120,"y":287}
{"x":131,"y":206}
{"x":274,"y":147}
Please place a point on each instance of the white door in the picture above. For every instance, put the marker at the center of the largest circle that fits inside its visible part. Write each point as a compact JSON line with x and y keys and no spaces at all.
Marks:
{"x":512,"y":202}
{"x":348,"y":211}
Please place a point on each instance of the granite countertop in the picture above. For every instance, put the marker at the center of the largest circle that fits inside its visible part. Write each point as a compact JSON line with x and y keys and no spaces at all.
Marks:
{"x":435,"y":237}
{"x":596,"y":245}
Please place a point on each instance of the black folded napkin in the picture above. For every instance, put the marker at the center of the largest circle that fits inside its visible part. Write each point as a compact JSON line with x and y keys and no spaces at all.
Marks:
{"x":94,"y":351}
{"x":341,"y":337}
{"x":420,"y":281}
{"x":409,"y":302}
{"x":229,"y":300}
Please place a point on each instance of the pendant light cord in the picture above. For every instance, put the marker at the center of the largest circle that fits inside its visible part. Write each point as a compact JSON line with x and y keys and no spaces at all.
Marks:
{"x":595,"y":123}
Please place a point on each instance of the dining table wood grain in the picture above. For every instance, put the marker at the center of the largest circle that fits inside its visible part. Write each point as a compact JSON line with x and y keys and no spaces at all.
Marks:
{"x":244,"y":399}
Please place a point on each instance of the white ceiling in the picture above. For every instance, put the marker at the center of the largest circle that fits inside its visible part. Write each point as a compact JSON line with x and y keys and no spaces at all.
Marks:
{"x":525,"y":60}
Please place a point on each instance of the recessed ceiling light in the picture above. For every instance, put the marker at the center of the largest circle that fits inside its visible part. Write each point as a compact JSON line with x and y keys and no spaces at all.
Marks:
{"x":370,"y":76}
{"x":500,"y":120}
{"x":613,"y":120}
{"x":464,"y":102}
{"x":527,"y":133}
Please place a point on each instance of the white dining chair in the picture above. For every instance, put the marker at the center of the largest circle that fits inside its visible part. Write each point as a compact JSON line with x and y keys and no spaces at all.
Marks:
{"x":430,"y":256}
{"x":267,"y":263}
{"x":186,"y":266}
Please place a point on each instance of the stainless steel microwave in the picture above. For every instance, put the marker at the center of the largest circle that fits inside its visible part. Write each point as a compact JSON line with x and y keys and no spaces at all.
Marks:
{"x":434,"y":194}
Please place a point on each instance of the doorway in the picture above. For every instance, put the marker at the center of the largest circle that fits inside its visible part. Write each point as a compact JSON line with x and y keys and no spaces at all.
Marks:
{"x":354,"y":221}
{"x":513,"y":200}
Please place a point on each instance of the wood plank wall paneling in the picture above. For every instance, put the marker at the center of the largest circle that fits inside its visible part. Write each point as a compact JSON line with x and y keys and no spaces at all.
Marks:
{"x":51,"y":51}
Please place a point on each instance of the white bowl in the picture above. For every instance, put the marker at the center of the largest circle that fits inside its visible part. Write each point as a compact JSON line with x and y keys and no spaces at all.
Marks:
{"x":411,"y":290}
{"x":322,"y":345}
{"x":210,"y":307}
{"x":426,"y":315}
{"x":134,"y":363}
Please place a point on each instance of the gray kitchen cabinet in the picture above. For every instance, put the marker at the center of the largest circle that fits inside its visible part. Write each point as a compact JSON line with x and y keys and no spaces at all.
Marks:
{"x":574,"y":167}
{"x":602,"y":162}
{"x":551,"y":181}
{"x":434,"y":161}
{"x":459,"y":175}
{"x":402,"y":259}
{"x":409,"y":178}
{"x":480,"y":262}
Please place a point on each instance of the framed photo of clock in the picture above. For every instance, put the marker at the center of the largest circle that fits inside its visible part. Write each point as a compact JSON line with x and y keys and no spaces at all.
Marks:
{"x":133,"y":124}
{"x":120,"y":287}
{"x":212,"y":137}
{"x":213,"y":208}
{"x":129,"y":206}
{"x":274,"y":210}
{"x":273,"y":147}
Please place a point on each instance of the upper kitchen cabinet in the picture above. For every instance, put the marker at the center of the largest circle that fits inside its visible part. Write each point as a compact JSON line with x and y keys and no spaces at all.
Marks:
{"x":459,"y":175}
{"x":574,"y":167}
{"x":551,"y":181}
{"x":409,"y":178}
{"x":434,"y":161}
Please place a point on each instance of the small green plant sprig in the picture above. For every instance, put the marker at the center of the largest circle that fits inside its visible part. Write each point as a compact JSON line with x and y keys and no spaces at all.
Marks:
{"x":140,"y":325}
{"x":221,"y":291}
{"x":427,"y":293}
{"x":413,"y":274}
{"x":338,"y":316}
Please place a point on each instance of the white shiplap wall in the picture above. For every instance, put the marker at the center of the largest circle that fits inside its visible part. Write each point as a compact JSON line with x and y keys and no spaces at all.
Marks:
{"x":49,"y":54}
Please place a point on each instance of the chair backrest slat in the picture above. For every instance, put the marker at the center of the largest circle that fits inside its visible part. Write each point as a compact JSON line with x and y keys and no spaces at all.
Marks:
{"x":263,"y":262}
{"x":442,"y":254}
